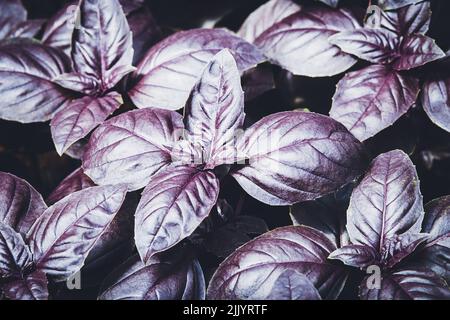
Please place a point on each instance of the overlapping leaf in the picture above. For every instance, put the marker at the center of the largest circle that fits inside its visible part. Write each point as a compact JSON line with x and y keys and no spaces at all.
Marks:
{"x":417,"y":50}
{"x":20,"y":203}
{"x":215,"y":110}
{"x":297,"y":156}
{"x":407,"y":284}
{"x":78,"y":118}
{"x":26,"y":72}
{"x":172,"y":206}
{"x":64,"y":234}
{"x":15,"y":255}
{"x":163,"y":278}
{"x":299,"y":42}
{"x":32,"y":287}
{"x":374,"y":45}
{"x":131,"y":147}
{"x":256,"y":269}
{"x":181,"y":58}
{"x":371,"y":99}
{"x":407,"y":20}
{"x":386,"y":204}
{"x":395,"y":4}
{"x":74,"y":182}
{"x":102,"y":45}
{"x":12,"y":13}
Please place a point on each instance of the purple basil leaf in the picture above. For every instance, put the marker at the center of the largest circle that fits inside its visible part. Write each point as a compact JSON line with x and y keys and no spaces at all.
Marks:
{"x":371,"y":99}
{"x":78,"y":82}
{"x":297,"y":156}
{"x":417,"y":50}
{"x":80,"y":117}
{"x":15,"y":255}
{"x":266,"y":16}
{"x":257,"y":81}
{"x":374,"y":45}
{"x":399,"y":247}
{"x":172,"y":206}
{"x":20,"y":203}
{"x":74,"y":182}
{"x":408,"y":20}
{"x":292,"y":285}
{"x":252,"y":270}
{"x":58,"y":30}
{"x":435,"y":254}
{"x":181,"y":58}
{"x":359,"y":256}
{"x":145,"y":32}
{"x":323,"y":217}
{"x":102,"y":45}
{"x":28,"y":93}
{"x":32,"y":287}
{"x":436,"y":100}
{"x":407,"y":284}
{"x":215,"y":110}
{"x":395,"y":4}
{"x":12,"y":13}
{"x":299,"y":43}
{"x":386,"y":203}
{"x":169,"y":277}
{"x":63,"y":235}
{"x":131,"y":147}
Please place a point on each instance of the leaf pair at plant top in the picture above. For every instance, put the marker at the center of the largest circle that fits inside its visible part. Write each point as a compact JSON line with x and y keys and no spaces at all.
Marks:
{"x":370,"y":99}
{"x":78,"y":94}
{"x":14,"y":22}
{"x":297,"y":37}
{"x":384,"y":226}
{"x":292,"y":156}
{"x":37,"y":242}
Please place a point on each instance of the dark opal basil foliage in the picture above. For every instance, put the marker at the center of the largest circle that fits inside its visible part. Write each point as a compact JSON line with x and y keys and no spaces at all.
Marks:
{"x":278,"y":150}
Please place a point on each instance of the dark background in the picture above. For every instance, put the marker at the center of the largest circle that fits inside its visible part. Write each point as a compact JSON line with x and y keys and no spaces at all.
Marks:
{"x":27,"y":151}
